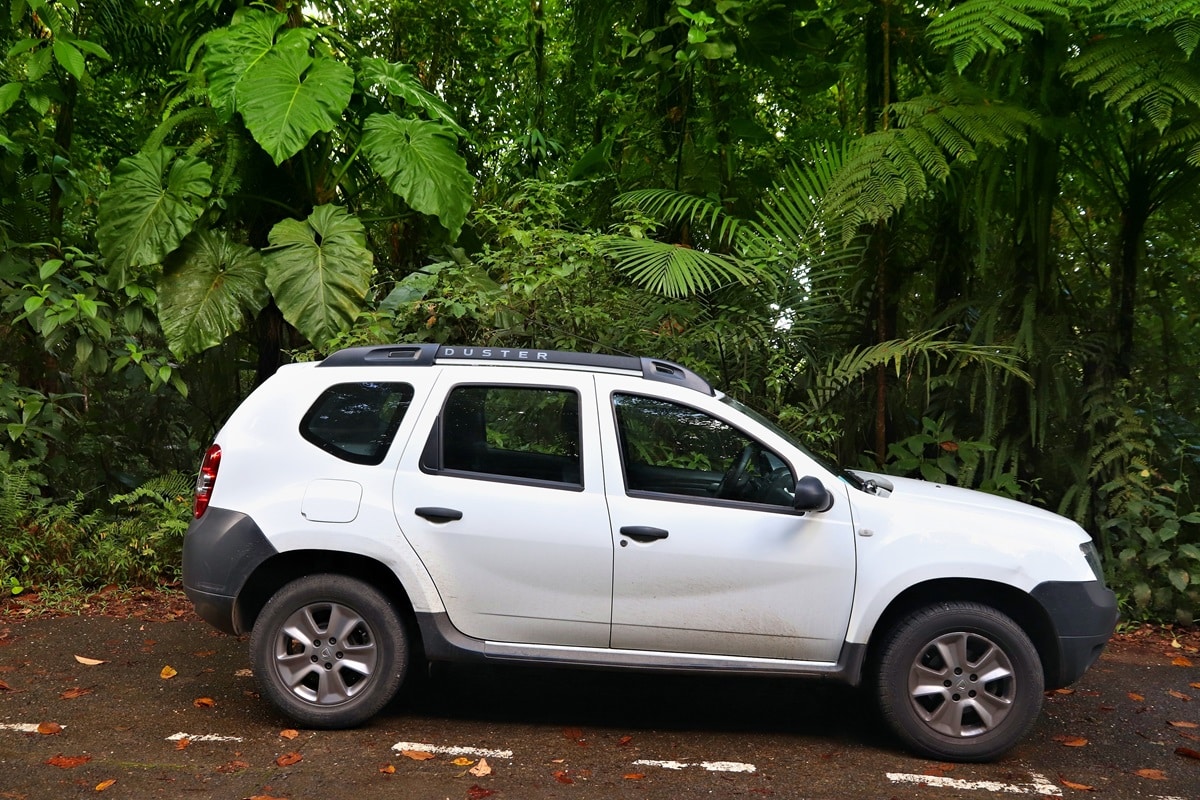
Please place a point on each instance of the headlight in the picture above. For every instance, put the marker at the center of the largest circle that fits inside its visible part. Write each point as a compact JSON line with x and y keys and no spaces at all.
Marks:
{"x":1093,"y":559}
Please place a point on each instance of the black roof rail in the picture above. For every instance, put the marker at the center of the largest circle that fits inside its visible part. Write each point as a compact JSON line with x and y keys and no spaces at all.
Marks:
{"x":423,"y":355}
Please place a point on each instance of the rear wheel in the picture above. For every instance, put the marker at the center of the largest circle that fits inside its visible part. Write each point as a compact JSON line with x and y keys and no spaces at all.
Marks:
{"x":329,"y":651}
{"x":959,"y":681}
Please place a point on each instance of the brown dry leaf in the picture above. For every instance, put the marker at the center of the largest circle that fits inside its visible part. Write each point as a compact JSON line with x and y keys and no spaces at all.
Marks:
{"x":287,"y":759}
{"x":388,"y":770}
{"x":477,"y":792}
{"x":624,"y":740}
{"x":1181,"y":661}
{"x":1071,"y":741}
{"x":1151,"y":774}
{"x":1187,"y":752}
{"x":204,"y":702}
{"x":1195,"y":684}
{"x":1135,"y":697}
{"x":102,"y":785}
{"x":67,"y":762}
{"x":49,"y":728}
{"x":90,"y":662}
{"x":417,"y":755}
{"x":265,"y":797}
{"x":634,"y":776}
{"x":289,"y":733}
{"x":1178,"y":695}
{"x":233,"y":766}
{"x":562,"y":777}
{"x":4,"y":687}
{"x":182,"y":744}
{"x":204,"y":653}
{"x":1182,"y":724}
{"x":167,"y":673}
{"x":1079,"y":787}
{"x":462,"y":761}
{"x":71,"y":694}
{"x":574,"y":734}
{"x":1064,"y":691}
{"x":481,"y":770}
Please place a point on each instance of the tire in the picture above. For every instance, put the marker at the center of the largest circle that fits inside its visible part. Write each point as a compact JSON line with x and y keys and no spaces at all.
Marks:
{"x":934,"y":692}
{"x":329,"y":651}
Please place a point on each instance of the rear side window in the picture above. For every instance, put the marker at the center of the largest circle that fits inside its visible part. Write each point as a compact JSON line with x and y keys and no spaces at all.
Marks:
{"x":357,"y":421}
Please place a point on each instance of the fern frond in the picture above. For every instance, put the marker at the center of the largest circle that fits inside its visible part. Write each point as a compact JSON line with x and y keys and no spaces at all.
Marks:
{"x":1181,"y":17}
{"x":980,"y":26}
{"x":671,"y":206}
{"x":1137,"y":70}
{"x":673,"y":270}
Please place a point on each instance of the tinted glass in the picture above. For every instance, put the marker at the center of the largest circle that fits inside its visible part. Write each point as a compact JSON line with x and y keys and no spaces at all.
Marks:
{"x":357,"y":421}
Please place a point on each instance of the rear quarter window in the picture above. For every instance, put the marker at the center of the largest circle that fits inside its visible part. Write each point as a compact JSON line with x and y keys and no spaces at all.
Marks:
{"x":357,"y":421}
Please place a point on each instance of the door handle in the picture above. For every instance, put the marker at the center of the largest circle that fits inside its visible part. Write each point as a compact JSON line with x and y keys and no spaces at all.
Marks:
{"x":643,"y":533}
{"x":436,"y":514}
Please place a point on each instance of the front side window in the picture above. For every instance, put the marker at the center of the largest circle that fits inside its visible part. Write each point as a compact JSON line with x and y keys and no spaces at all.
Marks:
{"x":519,"y":432}
{"x":357,"y":421}
{"x":672,"y":449}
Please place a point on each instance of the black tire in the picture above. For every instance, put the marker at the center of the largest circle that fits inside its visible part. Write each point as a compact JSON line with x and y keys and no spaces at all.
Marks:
{"x":959,"y":681}
{"x":350,"y":662}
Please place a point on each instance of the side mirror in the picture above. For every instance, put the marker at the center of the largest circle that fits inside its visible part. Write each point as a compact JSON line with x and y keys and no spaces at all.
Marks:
{"x":811,"y":495}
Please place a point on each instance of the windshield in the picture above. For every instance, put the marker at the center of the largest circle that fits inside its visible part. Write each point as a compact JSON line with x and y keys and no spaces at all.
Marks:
{"x":844,"y":474}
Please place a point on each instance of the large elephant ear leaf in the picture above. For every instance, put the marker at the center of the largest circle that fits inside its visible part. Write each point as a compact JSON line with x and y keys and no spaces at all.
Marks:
{"x":229,"y":53}
{"x":319,"y":271}
{"x":208,"y":288}
{"x":419,"y":160}
{"x":288,"y":96}
{"x":149,"y":208}
{"x":400,"y":81}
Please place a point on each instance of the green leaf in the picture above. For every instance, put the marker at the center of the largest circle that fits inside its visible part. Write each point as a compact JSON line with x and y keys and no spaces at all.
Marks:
{"x":142,"y":218}
{"x":69,"y":58}
{"x":49,"y":267}
{"x":91,"y":48}
{"x":673,"y":270}
{"x":1179,"y":579}
{"x":39,"y":64}
{"x":38,"y":101}
{"x":1190,"y":551}
{"x":9,"y":94}
{"x":231,"y":52}
{"x":319,"y":271}
{"x":399,"y":80}
{"x":412,"y":288}
{"x":420,"y":162}
{"x":289,"y":96}
{"x":208,"y":288}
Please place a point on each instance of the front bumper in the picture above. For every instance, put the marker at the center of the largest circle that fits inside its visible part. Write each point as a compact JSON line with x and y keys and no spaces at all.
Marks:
{"x":1084,"y":616}
{"x":220,"y":552}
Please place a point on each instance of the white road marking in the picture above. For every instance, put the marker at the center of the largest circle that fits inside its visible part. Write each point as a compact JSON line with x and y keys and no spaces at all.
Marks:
{"x":203,"y":737}
{"x":1039,"y":784}
{"x":23,"y":727}
{"x":421,"y":747}
{"x":711,"y":766}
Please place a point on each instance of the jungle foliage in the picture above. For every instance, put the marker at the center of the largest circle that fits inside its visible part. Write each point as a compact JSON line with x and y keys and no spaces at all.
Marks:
{"x":946,"y":239}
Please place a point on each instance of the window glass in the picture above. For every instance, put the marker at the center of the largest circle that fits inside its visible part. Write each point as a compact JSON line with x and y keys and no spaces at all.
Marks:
{"x":357,"y":421}
{"x":529,"y":433}
{"x":668,"y":448}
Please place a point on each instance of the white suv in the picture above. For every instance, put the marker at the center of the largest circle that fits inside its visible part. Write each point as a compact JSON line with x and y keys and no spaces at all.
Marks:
{"x":397,"y":503}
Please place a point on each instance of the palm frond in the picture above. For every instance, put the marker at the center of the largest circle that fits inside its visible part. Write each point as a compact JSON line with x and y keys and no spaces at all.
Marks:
{"x":671,"y":269}
{"x":667,"y":205}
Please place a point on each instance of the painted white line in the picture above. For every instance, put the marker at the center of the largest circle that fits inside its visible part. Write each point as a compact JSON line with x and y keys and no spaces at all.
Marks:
{"x":1039,"y":784}
{"x":202,"y":737}
{"x":23,"y":727}
{"x":421,"y":747}
{"x":711,"y":766}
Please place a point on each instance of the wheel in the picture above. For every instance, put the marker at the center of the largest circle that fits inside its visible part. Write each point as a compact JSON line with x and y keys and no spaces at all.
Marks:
{"x":959,"y":681}
{"x":329,"y":651}
{"x":737,"y":476}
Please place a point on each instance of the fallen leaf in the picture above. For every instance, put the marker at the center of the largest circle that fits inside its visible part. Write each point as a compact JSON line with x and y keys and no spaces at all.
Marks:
{"x":204,"y":702}
{"x":1079,"y":787}
{"x":634,"y":776}
{"x":90,"y":662}
{"x":624,"y":740}
{"x":1178,"y":695}
{"x":1181,"y":661}
{"x":1182,"y":724}
{"x":289,"y":733}
{"x":244,"y":673}
{"x":233,"y":766}
{"x":287,"y":759}
{"x":1064,"y":691}
{"x":1195,"y":685}
{"x":388,"y":770}
{"x":182,"y":744}
{"x":417,"y":755}
{"x":49,"y":728}
{"x":573,"y":734}
{"x":1071,"y":741}
{"x":4,"y":687}
{"x":1135,"y":697}
{"x":264,"y":797}
{"x":462,"y":761}
{"x":71,"y":694}
{"x":562,"y":777}
{"x":481,"y":770}
{"x":1187,"y":752}
{"x":102,"y":785}
{"x":67,"y":762}
{"x":204,"y":653}
{"x":1151,"y":774}
{"x":167,"y":673}
{"x":1191,"y":736}
{"x":478,"y":793}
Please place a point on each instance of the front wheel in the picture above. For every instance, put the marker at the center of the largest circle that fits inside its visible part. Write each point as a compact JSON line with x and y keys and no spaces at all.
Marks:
{"x":959,"y":681}
{"x":329,"y":651}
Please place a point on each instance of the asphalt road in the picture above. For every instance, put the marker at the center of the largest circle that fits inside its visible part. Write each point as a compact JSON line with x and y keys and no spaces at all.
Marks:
{"x":204,"y":732}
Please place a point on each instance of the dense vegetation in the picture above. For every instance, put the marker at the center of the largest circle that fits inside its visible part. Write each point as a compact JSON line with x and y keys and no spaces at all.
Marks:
{"x":955,"y":237}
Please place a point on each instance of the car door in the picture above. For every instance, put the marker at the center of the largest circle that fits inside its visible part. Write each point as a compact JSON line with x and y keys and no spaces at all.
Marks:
{"x":503,"y":501}
{"x":710,"y":557}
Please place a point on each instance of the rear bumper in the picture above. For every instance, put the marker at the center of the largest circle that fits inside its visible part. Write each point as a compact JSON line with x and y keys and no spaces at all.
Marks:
{"x":220,"y":552}
{"x":1084,"y":616}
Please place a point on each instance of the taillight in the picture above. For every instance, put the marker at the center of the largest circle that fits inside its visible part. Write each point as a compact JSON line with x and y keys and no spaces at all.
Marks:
{"x":206,"y":480}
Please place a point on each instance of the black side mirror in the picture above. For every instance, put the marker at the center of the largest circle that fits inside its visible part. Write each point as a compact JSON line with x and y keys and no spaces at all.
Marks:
{"x":811,"y":495}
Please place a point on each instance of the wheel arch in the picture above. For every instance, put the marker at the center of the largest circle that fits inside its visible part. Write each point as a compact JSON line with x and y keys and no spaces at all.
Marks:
{"x":1023,"y":609}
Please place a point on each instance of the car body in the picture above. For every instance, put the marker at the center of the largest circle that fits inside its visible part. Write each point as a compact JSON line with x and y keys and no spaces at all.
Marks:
{"x":405,"y":502}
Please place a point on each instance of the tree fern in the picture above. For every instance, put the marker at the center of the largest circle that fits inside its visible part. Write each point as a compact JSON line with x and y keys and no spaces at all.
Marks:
{"x":1181,"y":17}
{"x":980,"y":26}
